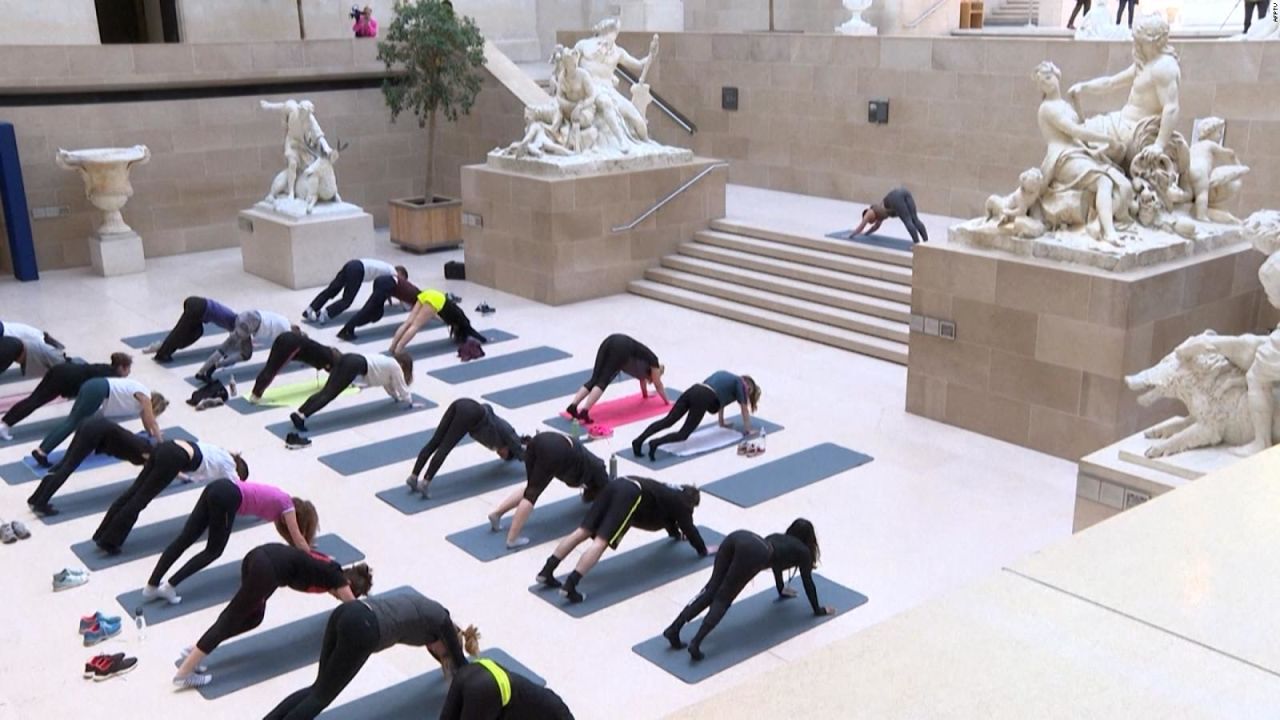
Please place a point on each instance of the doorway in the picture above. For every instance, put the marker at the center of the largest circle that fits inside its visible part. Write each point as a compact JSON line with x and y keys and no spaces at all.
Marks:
{"x":137,"y":21}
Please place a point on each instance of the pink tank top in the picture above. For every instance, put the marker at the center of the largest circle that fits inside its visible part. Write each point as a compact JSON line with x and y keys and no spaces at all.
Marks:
{"x":265,"y":501}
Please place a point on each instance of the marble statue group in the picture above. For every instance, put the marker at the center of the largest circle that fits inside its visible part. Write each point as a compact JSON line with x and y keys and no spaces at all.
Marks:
{"x":308,"y":177}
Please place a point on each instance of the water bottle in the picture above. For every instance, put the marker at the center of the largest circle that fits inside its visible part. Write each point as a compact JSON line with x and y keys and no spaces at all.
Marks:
{"x":613,"y":466}
{"x":141,"y":621}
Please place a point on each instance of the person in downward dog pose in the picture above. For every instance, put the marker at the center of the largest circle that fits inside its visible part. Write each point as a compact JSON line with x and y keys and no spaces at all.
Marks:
{"x":618,"y":353}
{"x":255,"y":327}
{"x":710,"y":395}
{"x":35,"y":358}
{"x":200,"y":461}
{"x":433,"y":303}
{"x":95,"y":435}
{"x":900,"y":204}
{"x":196,"y":313}
{"x":625,"y":503}
{"x":348,"y":281}
{"x":63,"y":380}
{"x":385,"y":289}
{"x":264,"y":570}
{"x":484,"y":690}
{"x":393,"y":374}
{"x":215,"y":512}
{"x":109,"y":397}
{"x":547,"y":456}
{"x":292,"y":347}
{"x":464,"y":417}
{"x":742,"y":556}
{"x":357,"y":630}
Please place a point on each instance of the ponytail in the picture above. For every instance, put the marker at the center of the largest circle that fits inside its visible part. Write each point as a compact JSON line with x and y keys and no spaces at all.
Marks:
{"x":470,"y":639}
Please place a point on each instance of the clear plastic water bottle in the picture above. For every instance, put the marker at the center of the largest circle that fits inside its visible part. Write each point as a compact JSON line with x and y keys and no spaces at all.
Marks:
{"x":141,"y":621}
{"x":613,"y":466}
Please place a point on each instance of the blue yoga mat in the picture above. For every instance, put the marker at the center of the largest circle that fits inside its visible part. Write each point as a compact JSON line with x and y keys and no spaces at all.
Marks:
{"x":330,"y":421}
{"x":138,"y":342}
{"x":258,"y":657}
{"x":26,"y":470}
{"x":541,"y":391}
{"x":341,"y":318}
{"x":454,"y":486}
{"x":664,"y":459}
{"x":548,"y":522}
{"x":490,"y":366}
{"x":33,"y":431}
{"x":244,"y":373}
{"x":12,"y":375}
{"x":380,"y":454}
{"x":752,"y":626}
{"x":446,"y":346}
{"x":880,"y":241}
{"x":790,"y":472}
{"x":628,"y":574}
{"x":73,"y":506}
{"x":419,"y":697}
{"x":215,"y":585}
{"x":145,"y":541}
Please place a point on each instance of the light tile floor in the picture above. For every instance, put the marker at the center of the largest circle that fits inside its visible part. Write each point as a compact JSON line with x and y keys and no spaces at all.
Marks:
{"x":937,"y":509}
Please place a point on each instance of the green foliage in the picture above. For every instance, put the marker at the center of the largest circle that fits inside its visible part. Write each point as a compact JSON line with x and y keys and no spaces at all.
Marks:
{"x":436,"y":56}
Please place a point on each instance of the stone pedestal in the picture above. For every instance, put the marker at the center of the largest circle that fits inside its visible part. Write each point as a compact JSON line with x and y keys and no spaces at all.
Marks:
{"x":116,"y":254}
{"x":550,"y":239}
{"x":303,"y":252}
{"x":1042,"y":347}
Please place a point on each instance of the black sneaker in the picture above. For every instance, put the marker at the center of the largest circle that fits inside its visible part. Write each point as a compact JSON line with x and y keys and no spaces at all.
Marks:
{"x":299,"y":421}
{"x":348,"y":335}
{"x":572,"y":595}
{"x":484,"y":309}
{"x":294,"y":441}
{"x":101,"y":661}
{"x":45,"y":510}
{"x":114,"y":665}
{"x":41,"y":458}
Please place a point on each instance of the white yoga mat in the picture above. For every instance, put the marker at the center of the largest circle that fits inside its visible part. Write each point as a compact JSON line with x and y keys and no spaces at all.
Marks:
{"x":712,"y":437}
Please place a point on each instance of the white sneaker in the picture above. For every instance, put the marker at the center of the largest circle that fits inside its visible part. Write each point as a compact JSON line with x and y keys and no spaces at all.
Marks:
{"x":194,"y":680}
{"x":153,"y":348}
{"x":254,"y":399}
{"x":309,"y":314}
{"x":322,"y":317}
{"x":4,"y":432}
{"x":165,"y":591}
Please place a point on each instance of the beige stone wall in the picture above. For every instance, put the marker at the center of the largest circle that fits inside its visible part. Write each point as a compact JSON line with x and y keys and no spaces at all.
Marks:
{"x":727,"y":16}
{"x":50,"y":22}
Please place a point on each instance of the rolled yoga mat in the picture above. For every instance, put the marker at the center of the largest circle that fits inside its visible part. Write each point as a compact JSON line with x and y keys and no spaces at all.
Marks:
{"x":880,"y":241}
{"x":290,"y":395}
{"x":664,"y":458}
{"x":260,"y":656}
{"x":146,"y":541}
{"x":26,"y":470}
{"x":622,"y":411}
{"x":541,"y":391}
{"x":338,"y":419}
{"x":753,"y":625}
{"x":138,"y":342}
{"x":446,"y":346}
{"x":548,"y":522}
{"x":73,"y":506}
{"x":627,"y":574}
{"x":418,"y":697}
{"x":215,"y":585}
{"x":497,"y":365}
{"x":453,"y":486}
{"x":785,"y":474}
{"x":381,"y":454}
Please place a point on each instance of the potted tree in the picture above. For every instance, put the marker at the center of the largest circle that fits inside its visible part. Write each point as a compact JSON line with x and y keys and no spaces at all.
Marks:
{"x":434,"y":59}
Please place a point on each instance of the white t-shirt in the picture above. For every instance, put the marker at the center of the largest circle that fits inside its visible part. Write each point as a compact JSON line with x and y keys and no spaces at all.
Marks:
{"x":120,"y":400}
{"x":26,"y":333}
{"x":385,"y":373}
{"x":273,"y":325}
{"x":376,"y":268}
{"x":216,"y":465}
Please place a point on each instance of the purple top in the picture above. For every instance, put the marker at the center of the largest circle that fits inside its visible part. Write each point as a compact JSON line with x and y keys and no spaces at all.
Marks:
{"x":265,"y":501}
{"x":220,"y":315}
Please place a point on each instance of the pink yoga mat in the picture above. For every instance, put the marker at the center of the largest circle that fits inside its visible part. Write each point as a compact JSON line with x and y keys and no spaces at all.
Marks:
{"x":626,"y":410}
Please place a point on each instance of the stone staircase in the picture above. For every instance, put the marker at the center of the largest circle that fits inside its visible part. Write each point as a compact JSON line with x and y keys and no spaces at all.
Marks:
{"x":1013,"y":13}
{"x":844,"y":294}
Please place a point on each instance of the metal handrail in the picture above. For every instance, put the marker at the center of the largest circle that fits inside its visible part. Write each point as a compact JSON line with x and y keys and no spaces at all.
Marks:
{"x":925,"y":15}
{"x":670,"y":196}
{"x":675,"y":115}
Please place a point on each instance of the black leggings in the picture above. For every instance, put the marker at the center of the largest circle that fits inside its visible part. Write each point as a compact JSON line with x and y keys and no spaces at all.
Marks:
{"x":1085,"y":5}
{"x":741,"y":557}
{"x":375,"y":306}
{"x":459,"y":419}
{"x":474,"y":695}
{"x":348,"y":282}
{"x":1251,"y":6}
{"x":350,"y":637}
{"x":695,"y":402}
{"x":612,"y":355}
{"x":189,"y":329}
{"x":901,"y":204}
{"x":283,"y":349}
{"x":166,"y":461}
{"x":1120,"y":10}
{"x":61,"y":381}
{"x":459,"y":324}
{"x":10,"y":350}
{"x":215,"y":512}
{"x":97,"y":434}
{"x":248,"y":606}
{"x":345,"y":371}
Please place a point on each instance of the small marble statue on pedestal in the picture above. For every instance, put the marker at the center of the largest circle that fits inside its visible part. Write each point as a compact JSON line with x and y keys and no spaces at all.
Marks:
{"x":115,"y":249}
{"x":308,"y":179}
{"x":855,"y":25}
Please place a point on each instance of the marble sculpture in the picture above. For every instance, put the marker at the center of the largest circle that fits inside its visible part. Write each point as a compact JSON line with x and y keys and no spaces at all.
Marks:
{"x":105,"y":172}
{"x":855,"y":25}
{"x":308,"y":177}
{"x":1099,"y":24}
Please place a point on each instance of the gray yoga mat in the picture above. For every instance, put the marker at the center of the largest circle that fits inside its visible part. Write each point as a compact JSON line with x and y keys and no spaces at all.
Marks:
{"x":244,"y":373}
{"x":880,"y":241}
{"x":12,"y":375}
{"x":627,"y":574}
{"x":391,"y":310}
{"x":419,"y":697}
{"x":446,"y":346}
{"x":330,"y":421}
{"x":548,"y":522}
{"x":664,"y":459}
{"x":453,"y":486}
{"x":34,"y":431}
{"x":215,"y":585}
{"x":565,"y":425}
{"x":753,"y":625}
{"x":380,"y":454}
{"x":145,"y":541}
{"x":138,"y":342}
{"x":490,"y":366}
{"x":540,"y":391}
{"x":73,"y":506}
{"x":790,"y":472}
{"x":260,"y":656}
{"x":27,"y":471}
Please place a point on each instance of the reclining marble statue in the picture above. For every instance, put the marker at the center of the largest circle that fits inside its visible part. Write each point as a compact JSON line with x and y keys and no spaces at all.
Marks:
{"x":308,"y":176}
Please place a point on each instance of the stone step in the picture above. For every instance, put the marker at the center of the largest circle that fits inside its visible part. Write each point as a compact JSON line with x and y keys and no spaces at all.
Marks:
{"x":771,"y":283}
{"x":814,"y":311}
{"x":813,"y":242}
{"x":853,"y":341}
{"x":807,"y":256}
{"x":882,"y":289}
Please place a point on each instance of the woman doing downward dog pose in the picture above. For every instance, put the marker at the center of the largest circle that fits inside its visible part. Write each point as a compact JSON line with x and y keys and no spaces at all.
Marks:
{"x":434,"y":303}
{"x":196,"y":313}
{"x":618,"y":353}
{"x":464,"y":416}
{"x":742,"y":555}
{"x":392,"y":374}
{"x":547,"y":456}
{"x":255,"y":327}
{"x":264,"y":570}
{"x":357,"y":630}
{"x":293,"y":347}
{"x":215,"y":512}
{"x":385,"y":289}
{"x":110,"y":397}
{"x":35,"y":358}
{"x":199,"y":461}
{"x":484,"y":690}
{"x":348,"y":281}
{"x":63,"y":380}
{"x":95,"y":435}
{"x":625,"y":503}
{"x":711,"y":395}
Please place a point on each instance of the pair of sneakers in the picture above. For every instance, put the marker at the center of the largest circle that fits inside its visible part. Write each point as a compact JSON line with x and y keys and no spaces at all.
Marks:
{"x":319,"y":318}
{"x":68,"y":578}
{"x":104,"y":667}
{"x":12,"y":532}
{"x":751,"y":447}
{"x":164,"y":590}
{"x":98,"y":628}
